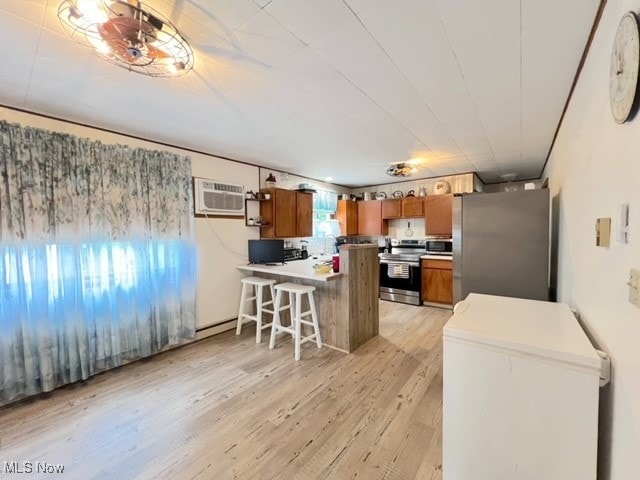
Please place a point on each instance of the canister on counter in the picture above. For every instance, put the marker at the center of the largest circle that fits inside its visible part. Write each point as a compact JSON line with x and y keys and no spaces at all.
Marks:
{"x":336,"y":262}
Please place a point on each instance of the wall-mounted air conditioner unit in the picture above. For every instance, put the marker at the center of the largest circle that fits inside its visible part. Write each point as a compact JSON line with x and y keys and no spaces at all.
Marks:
{"x":218,"y":198}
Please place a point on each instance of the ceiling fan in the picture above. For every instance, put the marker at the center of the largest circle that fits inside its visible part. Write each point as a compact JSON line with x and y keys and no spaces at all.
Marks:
{"x":128,"y":34}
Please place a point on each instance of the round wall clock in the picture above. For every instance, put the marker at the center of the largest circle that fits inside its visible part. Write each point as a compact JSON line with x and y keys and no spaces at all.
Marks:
{"x":623,"y":76}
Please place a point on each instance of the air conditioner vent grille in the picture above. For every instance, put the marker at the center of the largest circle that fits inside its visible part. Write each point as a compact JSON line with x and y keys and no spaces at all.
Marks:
{"x":222,"y":201}
{"x":217,"y":198}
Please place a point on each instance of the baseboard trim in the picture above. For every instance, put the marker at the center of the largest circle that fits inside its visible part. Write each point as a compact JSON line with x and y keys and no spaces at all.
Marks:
{"x":211,"y":330}
{"x":438,"y":305}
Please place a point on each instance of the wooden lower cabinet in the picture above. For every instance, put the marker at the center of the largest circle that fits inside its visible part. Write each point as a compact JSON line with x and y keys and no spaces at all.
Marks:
{"x":437,"y":282}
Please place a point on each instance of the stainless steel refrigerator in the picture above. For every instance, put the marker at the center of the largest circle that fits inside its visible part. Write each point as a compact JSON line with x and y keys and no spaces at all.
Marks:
{"x":501,"y":244}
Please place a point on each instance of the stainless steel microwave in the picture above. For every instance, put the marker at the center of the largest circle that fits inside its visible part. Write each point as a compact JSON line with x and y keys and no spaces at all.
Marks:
{"x":439,"y":246}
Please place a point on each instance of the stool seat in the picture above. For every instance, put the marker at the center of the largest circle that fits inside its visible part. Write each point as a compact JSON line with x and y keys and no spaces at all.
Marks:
{"x":295,"y":292}
{"x":258,"y":281}
{"x":295,"y":287}
{"x":258,"y":284}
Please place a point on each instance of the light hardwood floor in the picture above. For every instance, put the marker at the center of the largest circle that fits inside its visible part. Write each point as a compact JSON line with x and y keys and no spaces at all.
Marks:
{"x":226,"y":408}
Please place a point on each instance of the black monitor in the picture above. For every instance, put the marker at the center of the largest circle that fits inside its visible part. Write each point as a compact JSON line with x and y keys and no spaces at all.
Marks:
{"x":266,"y":251}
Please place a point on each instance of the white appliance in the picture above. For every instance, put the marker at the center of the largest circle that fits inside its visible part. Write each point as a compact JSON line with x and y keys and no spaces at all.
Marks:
{"x":218,"y":198}
{"x":521,"y":383}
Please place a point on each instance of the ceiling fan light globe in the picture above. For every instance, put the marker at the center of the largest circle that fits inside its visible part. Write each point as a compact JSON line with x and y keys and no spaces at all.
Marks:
{"x":93,"y":11}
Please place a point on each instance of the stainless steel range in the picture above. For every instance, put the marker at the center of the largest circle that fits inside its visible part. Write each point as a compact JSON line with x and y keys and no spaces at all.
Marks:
{"x":400,"y":273}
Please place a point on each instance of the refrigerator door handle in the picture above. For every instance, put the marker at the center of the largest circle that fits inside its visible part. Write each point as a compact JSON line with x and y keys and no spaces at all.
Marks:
{"x":605,"y":367}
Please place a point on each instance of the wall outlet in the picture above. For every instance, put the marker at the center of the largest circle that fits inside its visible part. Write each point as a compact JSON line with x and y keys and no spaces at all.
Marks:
{"x":634,"y":287}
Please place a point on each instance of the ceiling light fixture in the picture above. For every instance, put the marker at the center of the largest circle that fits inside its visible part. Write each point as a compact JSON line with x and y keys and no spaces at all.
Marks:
{"x":403,"y":169}
{"x":128,"y":34}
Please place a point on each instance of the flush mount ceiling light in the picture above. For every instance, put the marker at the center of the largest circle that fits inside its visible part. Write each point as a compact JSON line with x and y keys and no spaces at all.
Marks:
{"x":402,"y":169}
{"x":128,"y":34}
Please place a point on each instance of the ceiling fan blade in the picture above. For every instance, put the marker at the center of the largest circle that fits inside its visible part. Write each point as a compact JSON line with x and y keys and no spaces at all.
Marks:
{"x":157,"y":53}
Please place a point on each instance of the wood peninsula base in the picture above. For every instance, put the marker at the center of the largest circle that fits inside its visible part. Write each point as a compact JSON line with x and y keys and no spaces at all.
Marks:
{"x":347,"y":303}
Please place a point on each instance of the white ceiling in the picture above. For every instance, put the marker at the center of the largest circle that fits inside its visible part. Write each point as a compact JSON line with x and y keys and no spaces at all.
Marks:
{"x":322,"y":88}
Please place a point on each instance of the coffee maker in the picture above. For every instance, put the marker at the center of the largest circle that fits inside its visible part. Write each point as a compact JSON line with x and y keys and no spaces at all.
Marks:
{"x":343,"y":241}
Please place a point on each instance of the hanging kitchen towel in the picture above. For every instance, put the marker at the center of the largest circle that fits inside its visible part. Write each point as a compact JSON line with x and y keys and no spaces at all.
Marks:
{"x":398,"y":270}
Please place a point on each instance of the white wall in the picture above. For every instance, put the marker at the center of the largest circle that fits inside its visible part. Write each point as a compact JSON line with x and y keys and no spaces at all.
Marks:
{"x":593,"y":168}
{"x":221,"y":243}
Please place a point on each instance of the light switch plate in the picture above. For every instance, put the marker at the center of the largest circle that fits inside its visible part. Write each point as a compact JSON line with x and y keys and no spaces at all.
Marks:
{"x":603,"y":232}
{"x":634,"y":287}
{"x":623,"y":226}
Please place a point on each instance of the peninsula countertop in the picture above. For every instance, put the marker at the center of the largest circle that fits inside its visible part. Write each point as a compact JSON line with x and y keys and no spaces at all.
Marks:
{"x":346,"y":302}
{"x":294,"y":268}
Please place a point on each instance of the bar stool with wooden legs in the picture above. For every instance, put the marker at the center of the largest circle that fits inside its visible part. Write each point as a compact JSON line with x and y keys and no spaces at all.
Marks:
{"x":295,"y":292}
{"x":258,"y":285}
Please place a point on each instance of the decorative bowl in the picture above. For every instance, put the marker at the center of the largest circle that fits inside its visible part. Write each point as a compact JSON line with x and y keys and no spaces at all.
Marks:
{"x":322,"y":267}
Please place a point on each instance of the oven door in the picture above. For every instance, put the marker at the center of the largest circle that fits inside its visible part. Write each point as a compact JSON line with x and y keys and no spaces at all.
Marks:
{"x":400,"y":281}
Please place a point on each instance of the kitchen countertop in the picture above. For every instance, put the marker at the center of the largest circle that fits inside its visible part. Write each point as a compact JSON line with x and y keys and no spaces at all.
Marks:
{"x":346,"y":302}
{"x":447,"y":258}
{"x":295,"y":269}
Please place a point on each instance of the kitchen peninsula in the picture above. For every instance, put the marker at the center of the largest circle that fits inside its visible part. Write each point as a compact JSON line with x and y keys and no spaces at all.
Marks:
{"x":347,"y":302}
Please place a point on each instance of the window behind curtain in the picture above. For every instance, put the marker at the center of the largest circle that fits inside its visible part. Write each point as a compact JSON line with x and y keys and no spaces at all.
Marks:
{"x":97,"y":258}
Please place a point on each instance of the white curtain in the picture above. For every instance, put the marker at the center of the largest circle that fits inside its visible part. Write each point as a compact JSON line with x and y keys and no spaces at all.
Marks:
{"x":97,"y":258}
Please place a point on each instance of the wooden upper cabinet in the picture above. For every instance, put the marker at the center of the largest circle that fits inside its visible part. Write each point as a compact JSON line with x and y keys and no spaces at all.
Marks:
{"x":348,"y":217}
{"x":288,"y":214}
{"x":391,"y":208}
{"x":412,"y":207}
{"x":285,"y":213}
{"x":403,"y":208}
{"x":370,"y":218}
{"x":438,"y":214}
{"x":304,"y":214}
